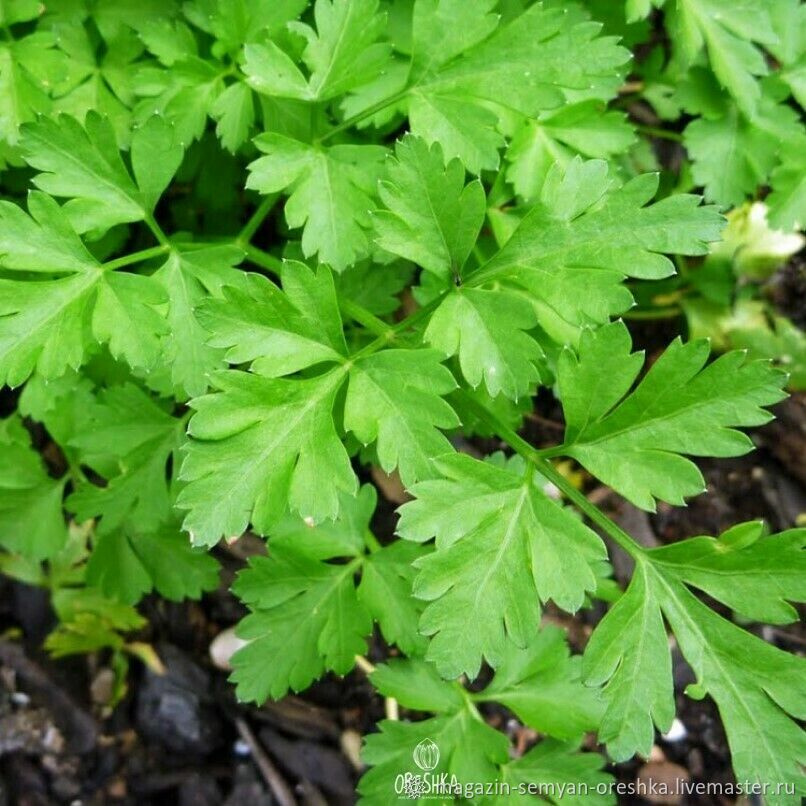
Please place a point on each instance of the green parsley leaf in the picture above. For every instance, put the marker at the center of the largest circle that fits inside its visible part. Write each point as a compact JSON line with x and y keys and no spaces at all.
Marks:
{"x":334,"y":223}
{"x":532,"y":681}
{"x":733,"y":154}
{"x":728,"y":30}
{"x":308,"y":615}
{"x":280,"y":332}
{"x":752,"y":682}
{"x":464,"y":87}
{"x":128,"y":439}
{"x":557,"y":136}
{"x":499,"y":352}
{"x":279,"y":437}
{"x":46,"y":322}
{"x":567,"y":259}
{"x":460,"y":744}
{"x":567,"y":777}
{"x":634,"y":443}
{"x":787,"y":201}
{"x":190,"y":278}
{"x":127,"y":564}
{"x":434,"y":218}
{"x":259,"y":445}
{"x":342,"y":53}
{"x":31,"y":520}
{"x":395,"y":399}
{"x":752,"y":574}
{"x":82,"y":164}
{"x":630,"y":649}
{"x":502,"y":548}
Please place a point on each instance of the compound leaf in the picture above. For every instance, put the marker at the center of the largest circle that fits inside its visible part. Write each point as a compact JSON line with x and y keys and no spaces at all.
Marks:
{"x":491,"y":349}
{"x":755,"y":685}
{"x":305,"y":618}
{"x":82,"y":164}
{"x":728,"y":30}
{"x":468,"y":748}
{"x":433,"y":218}
{"x":329,"y":190}
{"x":733,"y":154}
{"x":557,"y":772}
{"x":189,"y":279}
{"x":387,"y":578}
{"x":31,"y":519}
{"x":308,"y":615}
{"x":280,"y":332}
{"x":557,"y":136}
{"x":563,"y":268}
{"x":126,"y":564}
{"x":630,"y":649}
{"x":127,"y":439}
{"x":502,"y":548}
{"x":395,"y":399}
{"x":464,"y":85}
{"x":681,"y":406}
{"x":586,"y":234}
{"x":47,"y":324}
{"x":260,"y":445}
{"x":753,"y":574}
{"x":343,"y":52}
{"x":457,"y":748}
{"x":533,"y":680}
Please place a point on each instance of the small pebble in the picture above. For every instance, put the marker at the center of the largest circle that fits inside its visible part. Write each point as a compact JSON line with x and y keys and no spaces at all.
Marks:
{"x":223,"y":647}
{"x":241,"y":749}
{"x":677,"y":732}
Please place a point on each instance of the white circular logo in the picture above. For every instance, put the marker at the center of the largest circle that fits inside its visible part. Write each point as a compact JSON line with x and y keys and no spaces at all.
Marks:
{"x":426,"y":755}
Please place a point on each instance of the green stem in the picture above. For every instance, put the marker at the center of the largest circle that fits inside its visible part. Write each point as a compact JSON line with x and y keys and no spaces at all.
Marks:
{"x":471,"y":698}
{"x":136,"y":257}
{"x":653,"y":313}
{"x":371,"y":542}
{"x":547,"y":469}
{"x":357,"y":118}
{"x":392,"y":332}
{"x":262,"y":259}
{"x":681,"y":265}
{"x":352,"y":310}
{"x":663,"y":134}
{"x":256,"y":219}
{"x":156,"y":229}
{"x":607,"y":525}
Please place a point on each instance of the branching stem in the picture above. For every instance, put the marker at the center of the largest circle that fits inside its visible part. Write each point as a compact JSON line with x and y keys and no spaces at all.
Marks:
{"x":136,"y":257}
{"x":663,"y":134}
{"x":547,"y":469}
{"x":391,"y":333}
{"x":260,"y":258}
{"x":157,"y":230}
{"x":256,"y":219}
{"x":367,"y":319}
{"x":366,"y":113}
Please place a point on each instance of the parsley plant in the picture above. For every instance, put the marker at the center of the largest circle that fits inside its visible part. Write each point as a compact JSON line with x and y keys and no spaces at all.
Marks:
{"x":249,"y":249}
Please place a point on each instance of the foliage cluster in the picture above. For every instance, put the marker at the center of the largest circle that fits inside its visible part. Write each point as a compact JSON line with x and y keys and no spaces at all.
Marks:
{"x":249,"y":248}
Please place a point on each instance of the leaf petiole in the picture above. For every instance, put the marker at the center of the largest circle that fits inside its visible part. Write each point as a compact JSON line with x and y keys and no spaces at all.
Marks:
{"x":547,"y":469}
{"x":136,"y":257}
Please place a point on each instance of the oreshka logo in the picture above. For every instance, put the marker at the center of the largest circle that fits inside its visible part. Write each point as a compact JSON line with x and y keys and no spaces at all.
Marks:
{"x":426,"y":755}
